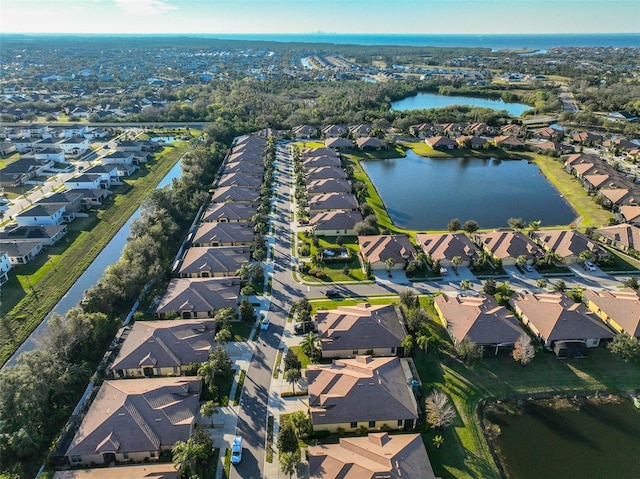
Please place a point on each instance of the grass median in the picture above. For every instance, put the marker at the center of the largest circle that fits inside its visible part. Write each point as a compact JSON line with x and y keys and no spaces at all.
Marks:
{"x":31,"y":293}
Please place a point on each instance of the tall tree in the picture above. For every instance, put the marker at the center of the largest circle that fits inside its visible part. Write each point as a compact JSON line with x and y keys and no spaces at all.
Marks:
{"x":524,"y":350}
{"x":439,"y":411}
{"x":289,"y":462}
{"x":292,"y":376}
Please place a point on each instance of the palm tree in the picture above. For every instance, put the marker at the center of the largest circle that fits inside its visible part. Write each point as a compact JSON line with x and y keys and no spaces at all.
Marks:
{"x":292,"y":376}
{"x":465,"y":284}
{"x":521,"y":260}
{"x":455,"y":262}
{"x":309,"y":344}
{"x":244,"y":271}
{"x":389,"y":263}
{"x":185,"y":457}
{"x":550,"y":258}
{"x":288,"y":462}
{"x":209,"y":409}
{"x":422,"y":259}
{"x":207,"y":372}
{"x":586,"y":255}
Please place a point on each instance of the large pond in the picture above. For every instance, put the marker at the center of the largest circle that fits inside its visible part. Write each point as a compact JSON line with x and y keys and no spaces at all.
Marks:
{"x":425,"y":193}
{"x":433,"y":100}
{"x":592,"y":441}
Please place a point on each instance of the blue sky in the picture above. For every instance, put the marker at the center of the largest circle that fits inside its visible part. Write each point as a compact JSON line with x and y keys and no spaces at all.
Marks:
{"x":303,"y":16}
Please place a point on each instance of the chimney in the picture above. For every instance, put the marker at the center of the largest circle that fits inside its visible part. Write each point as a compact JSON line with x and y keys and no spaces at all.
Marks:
{"x":379,"y":439}
{"x":364,"y":359}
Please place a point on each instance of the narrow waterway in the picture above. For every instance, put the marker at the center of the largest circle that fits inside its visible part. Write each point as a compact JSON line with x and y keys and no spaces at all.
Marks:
{"x":109,"y":255}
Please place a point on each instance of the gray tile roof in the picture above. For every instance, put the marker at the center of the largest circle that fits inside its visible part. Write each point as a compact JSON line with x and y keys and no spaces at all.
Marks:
{"x":219,"y":259}
{"x":200,"y":295}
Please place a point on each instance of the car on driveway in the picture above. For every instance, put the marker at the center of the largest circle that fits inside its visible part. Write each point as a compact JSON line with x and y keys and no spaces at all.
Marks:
{"x":589,"y":266}
{"x":236,"y":450}
{"x":305,"y":327}
{"x":528,"y":267}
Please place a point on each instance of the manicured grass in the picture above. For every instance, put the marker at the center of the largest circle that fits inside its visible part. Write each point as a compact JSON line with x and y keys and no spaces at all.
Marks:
{"x":590,"y":213}
{"x":620,"y":262}
{"x":334,"y":303}
{"x":334,"y":271}
{"x":466,"y":453}
{"x":241,"y":330}
{"x":224,"y":388}
{"x":276,"y":366}
{"x":227,"y":464}
{"x":238,"y":394}
{"x":304,"y":359}
{"x":23,"y":309}
{"x":8,"y":160}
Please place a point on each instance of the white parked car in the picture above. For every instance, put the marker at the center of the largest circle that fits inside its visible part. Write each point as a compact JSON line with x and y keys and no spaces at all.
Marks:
{"x":588,"y":265}
{"x":528,"y":267}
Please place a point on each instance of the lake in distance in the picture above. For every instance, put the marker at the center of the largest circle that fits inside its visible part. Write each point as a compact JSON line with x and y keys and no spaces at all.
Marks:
{"x":596,"y":441}
{"x":433,"y":100}
{"x":425,"y":193}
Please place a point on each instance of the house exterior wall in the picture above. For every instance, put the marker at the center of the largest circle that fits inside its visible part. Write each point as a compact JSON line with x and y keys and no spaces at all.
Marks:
{"x":53,"y":220}
{"x":139,"y":373}
{"x":380,"y":265}
{"x":348,"y":427}
{"x":349,"y":353}
{"x":347,"y":232}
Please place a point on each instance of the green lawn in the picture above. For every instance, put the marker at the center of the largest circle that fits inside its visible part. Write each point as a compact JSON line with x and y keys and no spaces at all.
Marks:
{"x":241,"y":330}
{"x":23,"y":307}
{"x":334,"y":271}
{"x":334,"y":303}
{"x":304,"y":359}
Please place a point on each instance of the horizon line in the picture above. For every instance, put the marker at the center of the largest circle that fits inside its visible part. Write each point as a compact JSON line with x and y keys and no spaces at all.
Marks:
{"x":316,"y":33}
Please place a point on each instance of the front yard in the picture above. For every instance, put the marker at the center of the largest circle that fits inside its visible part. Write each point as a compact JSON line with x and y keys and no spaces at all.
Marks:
{"x":331,"y":270}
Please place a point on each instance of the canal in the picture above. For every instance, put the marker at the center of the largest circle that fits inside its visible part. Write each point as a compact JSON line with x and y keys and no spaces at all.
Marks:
{"x":109,"y":255}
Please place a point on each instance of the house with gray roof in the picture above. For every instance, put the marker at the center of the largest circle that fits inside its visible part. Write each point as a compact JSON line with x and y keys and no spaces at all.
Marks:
{"x":320,"y":161}
{"x":70,"y":199}
{"x":378,"y":455}
{"x":136,"y":420}
{"x":244,"y":167}
{"x":348,"y":331}
{"x":336,"y":222}
{"x":194,"y":298}
{"x":21,"y":252}
{"x":206,"y":262}
{"x":445,"y":247}
{"x":325,"y":172}
{"x":41,"y":215}
{"x":332,"y":201}
{"x":48,"y":235}
{"x":329,"y":185}
{"x":338,"y":143}
{"x":229,"y":212}
{"x":370,"y":143}
{"x":163,"y":348}
{"x":235,"y":194}
{"x":338,"y":392}
{"x":508,"y":246}
{"x":223,"y":234}
{"x":239,"y":179}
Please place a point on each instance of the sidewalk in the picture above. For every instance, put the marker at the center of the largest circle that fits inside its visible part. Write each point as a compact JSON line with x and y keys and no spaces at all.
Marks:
{"x":279,"y":405}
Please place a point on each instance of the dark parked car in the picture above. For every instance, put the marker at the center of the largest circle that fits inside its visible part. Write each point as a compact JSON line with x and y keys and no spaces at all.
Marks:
{"x":333,"y":293}
{"x":305,"y":327}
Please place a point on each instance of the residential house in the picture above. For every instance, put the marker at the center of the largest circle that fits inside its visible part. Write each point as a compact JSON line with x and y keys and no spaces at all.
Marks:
{"x":314,"y":152}
{"x":21,"y":252}
{"x":423,"y":130}
{"x":362,"y":392}
{"x":378,"y":455}
{"x":623,"y":237}
{"x":614,"y":198}
{"x":194,"y":298}
{"x":320,"y":161}
{"x":235,"y":194}
{"x":239,"y":179}
{"x":92,"y":196}
{"x":332,"y":201}
{"x":142,"y":471}
{"x":441,"y":143}
{"x":509,"y":142}
{"x":47,"y":235}
{"x":247,"y":155}
{"x":329,"y":185}
{"x":556,"y":317}
{"x":336,"y":222}
{"x":228,"y":212}
{"x":359,"y":131}
{"x":41,"y":215}
{"x":50,"y":154}
{"x":629,"y":214}
{"x":85,"y":182}
{"x":244,"y":167}
{"x":511,"y":129}
{"x":75,"y":130}
{"x":619,"y":309}
{"x":204,"y":262}
{"x":223,"y":234}
{"x":597,"y":181}
{"x":349,"y":331}
{"x":108,"y":174}
{"x":71,"y":200}
{"x":163,"y":348}
{"x":5,"y":265}
{"x":325,"y":172}
{"x":304,"y":131}
{"x":587,"y":138}
{"x":445,"y":247}
{"x":479,"y":319}
{"x":477,"y":129}
{"x":370,"y":143}
{"x":338,"y":143}
{"x":136,"y":420}
{"x":118,"y":158}
{"x":509,"y":246}
{"x":6,"y":147}
{"x":74,"y":146}
{"x":552,"y":146}
{"x":334,"y":131}
{"x":129,"y":146}
{"x":569,"y":244}
{"x":471,"y":141}
{"x":547,"y":133}
{"x":387,"y":251}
